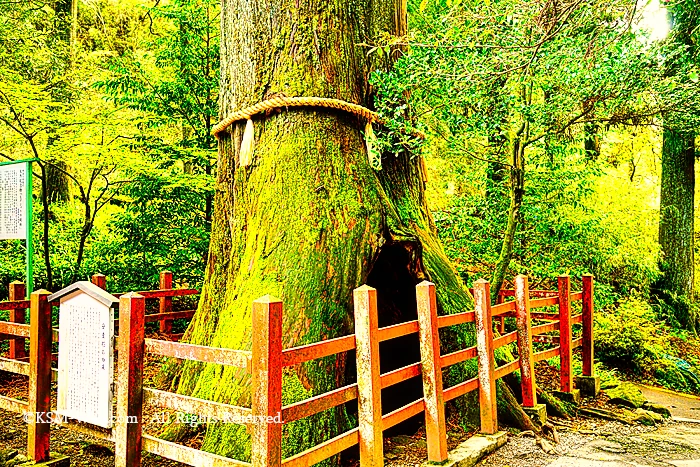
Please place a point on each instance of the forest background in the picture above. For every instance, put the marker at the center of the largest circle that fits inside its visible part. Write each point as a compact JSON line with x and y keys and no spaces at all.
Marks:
{"x":560,"y":139}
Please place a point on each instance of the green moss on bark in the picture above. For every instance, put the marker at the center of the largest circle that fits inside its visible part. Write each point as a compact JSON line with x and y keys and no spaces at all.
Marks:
{"x":309,"y":218}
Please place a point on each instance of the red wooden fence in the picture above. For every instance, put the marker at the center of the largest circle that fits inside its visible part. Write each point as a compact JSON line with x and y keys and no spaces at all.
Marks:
{"x":267,"y":359}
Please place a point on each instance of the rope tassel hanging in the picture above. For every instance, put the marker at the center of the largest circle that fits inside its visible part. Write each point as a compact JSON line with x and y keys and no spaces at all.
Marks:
{"x":374,"y":156}
{"x":247,"y":144}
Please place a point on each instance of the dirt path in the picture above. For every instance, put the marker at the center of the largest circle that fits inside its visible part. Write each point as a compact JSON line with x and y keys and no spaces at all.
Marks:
{"x":607,"y":444}
{"x":683,"y":407}
{"x":595,"y":443}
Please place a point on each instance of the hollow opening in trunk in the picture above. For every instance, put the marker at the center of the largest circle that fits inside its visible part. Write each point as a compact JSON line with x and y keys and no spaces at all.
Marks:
{"x":394,"y":278}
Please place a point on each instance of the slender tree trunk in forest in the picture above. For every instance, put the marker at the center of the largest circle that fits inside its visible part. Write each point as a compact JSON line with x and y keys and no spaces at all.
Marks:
{"x":517,"y":192}
{"x":496,"y":174}
{"x":591,"y":140}
{"x":309,"y":220}
{"x":496,"y":170}
{"x":66,"y":14}
{"x":57,"y":182}
{"x":73,"y":30}
{"x":549,"y":139}
{"x":45,"y":223}
{"x":677,"y":224}
{"x":45,"y":215}
{"x":88,"y":219}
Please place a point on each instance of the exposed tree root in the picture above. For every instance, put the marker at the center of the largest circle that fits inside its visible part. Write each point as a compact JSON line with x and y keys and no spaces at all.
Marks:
{"x":545,"y":445}
{"x":550,"y":431}
{"x":510,"y":410}
{"x":556,"y":406}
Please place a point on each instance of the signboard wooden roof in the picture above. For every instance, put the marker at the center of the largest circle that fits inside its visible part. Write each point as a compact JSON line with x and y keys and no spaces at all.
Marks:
{"x":90,"y":289}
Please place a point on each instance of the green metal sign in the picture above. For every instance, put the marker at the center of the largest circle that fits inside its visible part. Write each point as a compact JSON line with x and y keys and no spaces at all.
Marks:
{"x":17,"y":209}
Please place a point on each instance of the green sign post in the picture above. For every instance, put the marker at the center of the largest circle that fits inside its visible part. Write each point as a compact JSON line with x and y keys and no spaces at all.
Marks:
{"x":18,"y":212}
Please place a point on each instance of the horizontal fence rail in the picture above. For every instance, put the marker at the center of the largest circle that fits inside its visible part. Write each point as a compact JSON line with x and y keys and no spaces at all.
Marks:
{"x":266,"y":360}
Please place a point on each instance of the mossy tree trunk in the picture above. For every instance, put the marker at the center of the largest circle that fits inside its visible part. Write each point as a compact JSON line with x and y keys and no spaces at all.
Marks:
{"x":520,"y":141}
{"x":309,"y":220}
{"x":676,"y":210}
{"x":677,"y":224}
{"x":517,"y":193}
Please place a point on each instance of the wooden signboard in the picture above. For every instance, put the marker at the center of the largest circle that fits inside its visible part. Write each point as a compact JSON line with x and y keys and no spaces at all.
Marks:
{"x":13,"y":201}
{"x":86,"y":353}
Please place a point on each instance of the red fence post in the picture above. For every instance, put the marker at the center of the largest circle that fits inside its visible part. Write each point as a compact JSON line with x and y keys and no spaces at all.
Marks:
{"x":525,"y":354}
{"x":18,"y":315}
{"x":100,"y":280}
{"x":39,"y":376}
{"x":127,"y":427}
{"x":435,"y":428}
{"x":369,"y":386}
{"x":524,"y":329}
{"x":484,"y":345}
{"x":166,"y":303}
{"x":588,"y":383}
{"x":565,"y":350}
{"x":267,"y":382}
{"x":587,"y":309}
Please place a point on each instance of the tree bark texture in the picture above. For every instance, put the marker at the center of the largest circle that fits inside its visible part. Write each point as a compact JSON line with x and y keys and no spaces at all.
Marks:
{"x":676,"y":210}
{"x":309,"y":220}
{"x":57,"y":183}
{"x":677,"y":224}
{"x":591,"y":140}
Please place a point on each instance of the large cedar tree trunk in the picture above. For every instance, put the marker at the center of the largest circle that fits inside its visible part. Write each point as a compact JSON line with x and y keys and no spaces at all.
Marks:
{"x":676,"y":211}
{"x":309,"y":220}
{"x":677,"y":224}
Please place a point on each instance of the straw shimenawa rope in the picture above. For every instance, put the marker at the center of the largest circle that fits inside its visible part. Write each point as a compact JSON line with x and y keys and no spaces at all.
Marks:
{"x":277,"y":102}
{"x":247,"y":145}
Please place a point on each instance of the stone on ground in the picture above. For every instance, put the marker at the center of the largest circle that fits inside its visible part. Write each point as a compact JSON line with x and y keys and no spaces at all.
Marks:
{"x":657,"y":417}
{"x":642,"y":416}
{"x":609,"y":384}
{"x":657,"y":408}
{"x":671,"y":445}
{"x":626,"y":394}
{"x":470,"y":452}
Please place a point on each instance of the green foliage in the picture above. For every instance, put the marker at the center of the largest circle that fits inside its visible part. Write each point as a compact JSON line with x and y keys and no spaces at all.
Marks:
{"x":541,"y":79}
{"x":140,"y":170}
{"x":167,"y":205}
{"x":627,"y":336}
{"x":177,"y":82}
{"x":682,"y":378}
{"x":569,"y":225}
{"x":162,"y":227}
{"x":671,"y":306}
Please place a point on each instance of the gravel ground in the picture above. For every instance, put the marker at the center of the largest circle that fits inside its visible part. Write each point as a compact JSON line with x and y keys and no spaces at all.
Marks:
{"x":521,"y":451}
